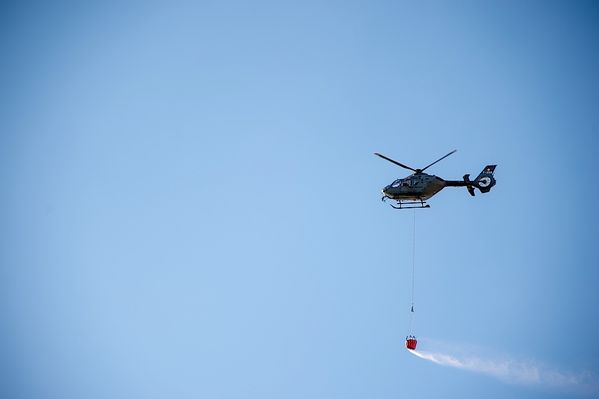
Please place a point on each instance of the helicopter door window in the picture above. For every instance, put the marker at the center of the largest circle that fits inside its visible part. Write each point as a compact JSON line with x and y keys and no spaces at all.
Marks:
{"x":406,"y":183}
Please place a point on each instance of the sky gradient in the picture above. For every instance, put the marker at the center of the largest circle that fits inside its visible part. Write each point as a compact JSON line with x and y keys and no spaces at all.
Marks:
{"x":191,"y":203}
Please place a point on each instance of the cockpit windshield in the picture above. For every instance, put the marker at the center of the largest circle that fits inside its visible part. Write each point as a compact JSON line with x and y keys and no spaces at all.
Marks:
{"x":407,"y":182}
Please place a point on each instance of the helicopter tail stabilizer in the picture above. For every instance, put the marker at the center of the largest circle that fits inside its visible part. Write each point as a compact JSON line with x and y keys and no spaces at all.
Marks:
{"x":469,"y":184}
{"x":485,"y":180}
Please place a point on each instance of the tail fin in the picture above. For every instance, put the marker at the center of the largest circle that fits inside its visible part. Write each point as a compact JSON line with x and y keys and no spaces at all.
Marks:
{"x":485,"y":180}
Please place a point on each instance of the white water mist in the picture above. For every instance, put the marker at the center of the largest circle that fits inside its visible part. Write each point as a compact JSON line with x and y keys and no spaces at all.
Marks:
{"x":516,"y":371}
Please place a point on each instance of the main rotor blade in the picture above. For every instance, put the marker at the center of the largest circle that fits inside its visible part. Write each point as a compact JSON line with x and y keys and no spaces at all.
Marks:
{"x":426,"y":167}
{"x":395,"y":162}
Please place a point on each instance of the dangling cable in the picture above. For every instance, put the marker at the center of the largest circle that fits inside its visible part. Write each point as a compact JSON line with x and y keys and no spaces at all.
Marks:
{"x":413,"y":268}
{"x":413,"y":255}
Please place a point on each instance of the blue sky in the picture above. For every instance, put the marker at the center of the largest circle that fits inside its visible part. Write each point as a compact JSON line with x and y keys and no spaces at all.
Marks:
{"x":192,"y":208}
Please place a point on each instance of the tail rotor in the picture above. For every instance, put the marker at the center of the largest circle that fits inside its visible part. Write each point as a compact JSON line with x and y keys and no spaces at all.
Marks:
{"x":485,"y":180}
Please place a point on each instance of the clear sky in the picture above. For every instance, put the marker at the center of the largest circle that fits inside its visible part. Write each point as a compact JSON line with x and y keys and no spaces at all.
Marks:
{"x":191,"y":204}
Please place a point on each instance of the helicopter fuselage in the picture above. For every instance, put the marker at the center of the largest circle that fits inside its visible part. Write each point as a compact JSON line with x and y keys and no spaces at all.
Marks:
{"x":418,"y":187}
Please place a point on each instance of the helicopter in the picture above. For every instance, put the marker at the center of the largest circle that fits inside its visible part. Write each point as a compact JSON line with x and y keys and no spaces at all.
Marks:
{"x":413,"y":191}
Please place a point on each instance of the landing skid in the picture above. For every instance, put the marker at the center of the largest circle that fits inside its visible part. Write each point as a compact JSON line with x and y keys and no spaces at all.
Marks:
{"x":399,"y":204}
{"x":416,"y":205}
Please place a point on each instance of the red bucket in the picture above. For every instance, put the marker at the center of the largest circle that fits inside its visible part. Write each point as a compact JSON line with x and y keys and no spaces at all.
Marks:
{"x":411,"y":343}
